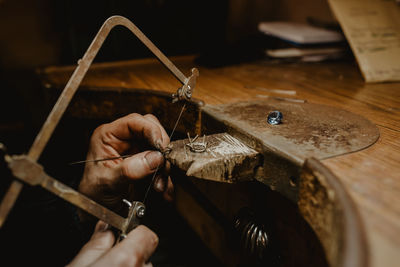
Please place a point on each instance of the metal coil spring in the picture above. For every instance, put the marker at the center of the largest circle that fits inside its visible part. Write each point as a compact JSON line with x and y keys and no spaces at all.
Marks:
{"x":253,"y":236}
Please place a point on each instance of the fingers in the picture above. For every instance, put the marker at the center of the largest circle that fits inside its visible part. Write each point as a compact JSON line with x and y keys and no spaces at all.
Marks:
{"x":134,"y":250}
{"x":164,"y":185}
{"x":165,"y":137}
{"x":169,"y":191}
{"x":101,"y":241}
{"x":142,"y":164}
{"x":159,"y":183}
{"x":119,"y":133}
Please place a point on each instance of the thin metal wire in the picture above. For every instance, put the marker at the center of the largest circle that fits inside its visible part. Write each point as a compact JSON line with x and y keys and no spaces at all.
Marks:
{"x":170,"y":136}
{"x":98,"y":160}
{"x":177,"y":121}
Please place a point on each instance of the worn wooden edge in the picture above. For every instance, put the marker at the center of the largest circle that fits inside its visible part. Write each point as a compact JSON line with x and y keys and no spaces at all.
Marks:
{"x":328,"y":208}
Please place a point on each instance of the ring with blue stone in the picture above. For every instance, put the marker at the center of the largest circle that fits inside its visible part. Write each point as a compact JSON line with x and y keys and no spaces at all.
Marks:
{"x":275,"y":117}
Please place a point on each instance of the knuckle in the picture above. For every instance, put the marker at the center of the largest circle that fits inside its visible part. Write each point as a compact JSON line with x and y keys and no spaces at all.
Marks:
{"x":138,"y":257}
{"x":101,"y":129}
{"x":134,"y":116}
{"x":154,"y":239}
{"x":125,"y":170}
{"x":151,"y":116}
{"x":150,"y":235}
{"x":98,"y":132}
{"x":106,"y":136}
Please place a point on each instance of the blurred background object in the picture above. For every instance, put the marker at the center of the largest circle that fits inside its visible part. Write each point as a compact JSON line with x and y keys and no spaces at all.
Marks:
{"x":45,"y":32}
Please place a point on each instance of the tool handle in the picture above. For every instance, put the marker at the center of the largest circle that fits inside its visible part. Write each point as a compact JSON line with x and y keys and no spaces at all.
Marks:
{"x":32,"y":173}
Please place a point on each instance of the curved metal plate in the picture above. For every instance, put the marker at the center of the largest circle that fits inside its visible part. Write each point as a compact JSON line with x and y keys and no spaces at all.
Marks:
{"x":307,"y":130}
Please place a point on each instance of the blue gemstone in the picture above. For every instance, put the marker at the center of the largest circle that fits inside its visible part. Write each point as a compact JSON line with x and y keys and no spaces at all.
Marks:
{"x":275,"y":117}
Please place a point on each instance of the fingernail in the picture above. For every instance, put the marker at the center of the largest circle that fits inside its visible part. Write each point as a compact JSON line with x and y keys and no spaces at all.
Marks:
{"x":159,"y":144}
{"x":101,"y":227}
{"x":153,"y":159}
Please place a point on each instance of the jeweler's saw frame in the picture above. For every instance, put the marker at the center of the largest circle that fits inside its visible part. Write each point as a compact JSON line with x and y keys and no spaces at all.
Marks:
{"x":27,"y":169}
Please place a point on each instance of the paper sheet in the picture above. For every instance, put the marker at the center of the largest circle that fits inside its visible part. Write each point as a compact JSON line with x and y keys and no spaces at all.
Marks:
{"x":372,"y":27}
{"x":299,"y":33}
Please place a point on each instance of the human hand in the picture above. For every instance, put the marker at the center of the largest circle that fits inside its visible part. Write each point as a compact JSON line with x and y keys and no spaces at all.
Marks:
{"x":108,"y":182}
{"x":134,"y":250}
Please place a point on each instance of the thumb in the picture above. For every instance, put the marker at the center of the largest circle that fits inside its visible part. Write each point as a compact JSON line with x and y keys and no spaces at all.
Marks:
{"x":101,"y":242}
{"x":142,"y":164}
{"x":134,"y":250}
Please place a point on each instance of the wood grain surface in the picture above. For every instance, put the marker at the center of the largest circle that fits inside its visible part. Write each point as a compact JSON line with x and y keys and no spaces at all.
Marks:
{"x":371,"y":176}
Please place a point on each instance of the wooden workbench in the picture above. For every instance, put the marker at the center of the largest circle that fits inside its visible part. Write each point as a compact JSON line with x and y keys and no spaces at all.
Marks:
{"x":371,"y":176}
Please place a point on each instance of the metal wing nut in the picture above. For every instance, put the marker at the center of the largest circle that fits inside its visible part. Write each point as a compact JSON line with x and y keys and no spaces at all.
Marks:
{"x":185,"y":92}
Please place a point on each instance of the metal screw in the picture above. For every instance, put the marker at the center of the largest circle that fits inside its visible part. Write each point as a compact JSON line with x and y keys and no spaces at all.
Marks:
{"x":188,"y":92}
{"x":140,"y":212}
{"x":275,"y":117}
